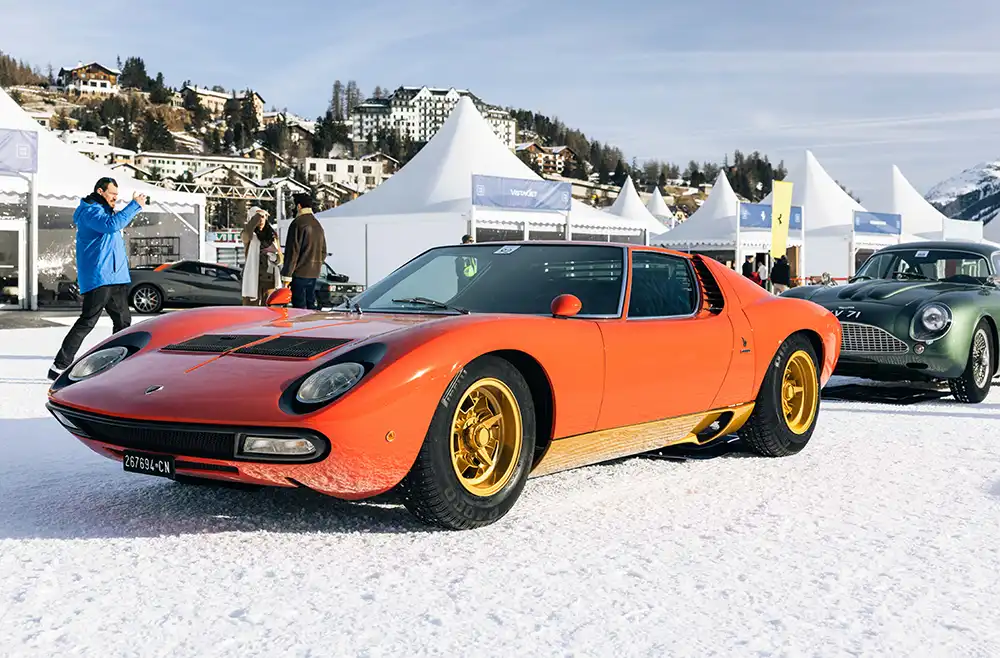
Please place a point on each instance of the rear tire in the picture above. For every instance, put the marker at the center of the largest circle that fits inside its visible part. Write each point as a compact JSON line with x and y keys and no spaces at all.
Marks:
{"x":146,"y":299}
{"x":973,"y":385}
{"x":787,"y":405}
{"x":477,"y":454}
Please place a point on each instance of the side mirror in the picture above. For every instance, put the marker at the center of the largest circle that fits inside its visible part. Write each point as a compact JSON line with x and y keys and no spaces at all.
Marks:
{"x":566,"y":306}
{"x":280,"y":297}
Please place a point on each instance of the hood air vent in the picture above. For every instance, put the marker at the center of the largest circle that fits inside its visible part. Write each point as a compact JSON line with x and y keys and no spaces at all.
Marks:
{"x":289,"y":347}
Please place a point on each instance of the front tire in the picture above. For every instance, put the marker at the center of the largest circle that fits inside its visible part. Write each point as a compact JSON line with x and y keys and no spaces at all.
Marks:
{"x":477,"y":453}
{"x":973,"y":385}
{"x":787,"y":405}
{"x":146,"y":299}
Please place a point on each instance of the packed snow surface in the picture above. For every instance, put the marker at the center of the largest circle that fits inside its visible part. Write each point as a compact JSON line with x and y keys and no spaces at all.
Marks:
{"x":881,"y":538}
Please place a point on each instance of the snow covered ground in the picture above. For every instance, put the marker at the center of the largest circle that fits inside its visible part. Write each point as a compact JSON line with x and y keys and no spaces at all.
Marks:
{"x":881,"y":538}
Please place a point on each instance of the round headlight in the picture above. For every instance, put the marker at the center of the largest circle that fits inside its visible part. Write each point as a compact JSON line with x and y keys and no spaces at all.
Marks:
{"x":934,"y":317}
{"x":98,"y":362}
{"x":330,"y":382}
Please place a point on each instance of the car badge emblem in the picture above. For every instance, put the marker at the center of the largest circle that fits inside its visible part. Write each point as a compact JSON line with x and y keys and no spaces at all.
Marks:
{"x":153,"y":389}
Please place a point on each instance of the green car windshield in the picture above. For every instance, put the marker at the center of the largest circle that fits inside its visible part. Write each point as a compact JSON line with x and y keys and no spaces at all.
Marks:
{"x":916,"y":264}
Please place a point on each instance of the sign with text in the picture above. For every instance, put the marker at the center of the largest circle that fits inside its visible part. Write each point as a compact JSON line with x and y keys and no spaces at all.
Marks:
{"x":18,"y":151}
{"x":880,"y":223}
{"x":520,"y":193}
{"x":758,"y":216}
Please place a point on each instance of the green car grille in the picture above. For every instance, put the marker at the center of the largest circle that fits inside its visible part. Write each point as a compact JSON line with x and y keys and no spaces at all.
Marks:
{"x":869,"y":339}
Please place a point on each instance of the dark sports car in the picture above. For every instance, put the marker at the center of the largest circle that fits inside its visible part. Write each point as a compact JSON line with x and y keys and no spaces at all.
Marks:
{"x":920,"y":311}
{"x":189,"y":283}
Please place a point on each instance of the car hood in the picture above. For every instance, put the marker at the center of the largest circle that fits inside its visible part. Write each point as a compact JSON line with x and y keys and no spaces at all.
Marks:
{"x":229,"y":373}
{"x":896,"y":293}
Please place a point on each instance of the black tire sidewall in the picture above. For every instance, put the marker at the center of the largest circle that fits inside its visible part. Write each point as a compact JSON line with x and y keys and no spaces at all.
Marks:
{"x":437,"y":448}
{"x":771,"y":393}
{"x":975,"y":392}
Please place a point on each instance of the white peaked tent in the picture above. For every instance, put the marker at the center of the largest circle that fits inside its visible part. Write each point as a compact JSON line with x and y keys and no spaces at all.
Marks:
{"x":43,"y":203}
{"x":712,"y":226}
{"x":715,"y":227}
{"x":65,"y":175}
{"x":657,"y":207}
{"x":830,"y":241}
{"x":428,"y":203}
{"x":629,"y":206}
{"x":923,"y":220}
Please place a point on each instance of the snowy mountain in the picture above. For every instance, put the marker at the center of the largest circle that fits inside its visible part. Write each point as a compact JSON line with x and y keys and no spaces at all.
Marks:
{"x":973,"y":194}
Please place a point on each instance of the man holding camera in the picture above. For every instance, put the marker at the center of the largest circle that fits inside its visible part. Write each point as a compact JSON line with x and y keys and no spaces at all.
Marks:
{"x":101,"y":266}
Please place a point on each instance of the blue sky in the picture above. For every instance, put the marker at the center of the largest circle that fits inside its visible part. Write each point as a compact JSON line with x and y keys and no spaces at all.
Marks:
{"x":864,"y":83}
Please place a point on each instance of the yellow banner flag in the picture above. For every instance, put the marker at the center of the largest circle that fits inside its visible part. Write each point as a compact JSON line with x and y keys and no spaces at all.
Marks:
{"x":781,"y":211}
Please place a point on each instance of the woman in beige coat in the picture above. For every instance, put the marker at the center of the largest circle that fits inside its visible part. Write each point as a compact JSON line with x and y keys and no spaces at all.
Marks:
{"x":262,"y":249}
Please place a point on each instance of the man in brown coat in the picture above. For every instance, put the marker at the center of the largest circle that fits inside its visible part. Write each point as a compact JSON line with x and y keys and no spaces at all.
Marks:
{"x":305,"y":252}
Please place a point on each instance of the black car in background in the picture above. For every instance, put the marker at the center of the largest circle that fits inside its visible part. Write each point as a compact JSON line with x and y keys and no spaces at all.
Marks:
{"x":189,"y":283}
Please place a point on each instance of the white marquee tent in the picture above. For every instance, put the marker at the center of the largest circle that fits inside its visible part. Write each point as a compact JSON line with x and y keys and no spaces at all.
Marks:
{"x":428,"y":203}
{"x":658,"y":208}
{"x":64,"y":177}
{"x":715,"y":227}
{"x":830,"y":241}
{"x":629,"y":206}
{"x":923,"y":220}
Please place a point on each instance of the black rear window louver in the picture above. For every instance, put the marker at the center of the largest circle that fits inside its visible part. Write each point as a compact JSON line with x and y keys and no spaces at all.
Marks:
{"x":712,"y":292}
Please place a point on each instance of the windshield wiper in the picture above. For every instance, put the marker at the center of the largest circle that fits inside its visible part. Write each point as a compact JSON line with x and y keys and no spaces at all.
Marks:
{"x":426,"y":301}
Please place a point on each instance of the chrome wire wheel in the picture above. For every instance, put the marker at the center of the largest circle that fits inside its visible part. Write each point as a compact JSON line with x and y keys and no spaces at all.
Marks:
{"x":981,"y":358}
{"x":486,"y":437}
{"x":799,"y":392}
{"x":146,"y":299}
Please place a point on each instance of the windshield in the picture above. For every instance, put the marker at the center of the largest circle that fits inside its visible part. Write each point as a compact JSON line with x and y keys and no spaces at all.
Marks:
{"x":494,"y":278}
{"x":926,"y":265}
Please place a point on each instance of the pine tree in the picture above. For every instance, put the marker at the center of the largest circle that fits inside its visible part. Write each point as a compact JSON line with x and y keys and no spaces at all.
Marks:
{"x":134,"y":75}
{"x":337,"y":101}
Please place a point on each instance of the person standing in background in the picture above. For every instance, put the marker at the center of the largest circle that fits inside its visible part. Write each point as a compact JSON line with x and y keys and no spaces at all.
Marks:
{"x":305,"y":253}
{"x":781,"y":276}
{"x":262,"y":250}
{"x":102,"y":269}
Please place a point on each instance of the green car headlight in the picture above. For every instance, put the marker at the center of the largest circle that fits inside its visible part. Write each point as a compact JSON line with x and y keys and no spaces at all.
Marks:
{"x":931,"y":322}
{"x":328,"y":383}
{"x":98,"y":362}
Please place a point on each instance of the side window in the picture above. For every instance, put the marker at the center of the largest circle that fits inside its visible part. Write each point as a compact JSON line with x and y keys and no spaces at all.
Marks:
{"x":188,"y":268}
{"x":996,"y":263}
{"x":662,"y":286}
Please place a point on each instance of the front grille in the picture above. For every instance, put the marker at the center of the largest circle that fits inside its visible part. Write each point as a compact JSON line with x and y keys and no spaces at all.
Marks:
{"x":868,"y":339}
{"x":295,"y":347}
{"x":213,"y":343}
{"x":141,"y":436}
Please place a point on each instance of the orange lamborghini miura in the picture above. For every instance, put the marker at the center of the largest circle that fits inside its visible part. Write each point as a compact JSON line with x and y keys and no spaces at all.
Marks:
{"x":460,"y":375}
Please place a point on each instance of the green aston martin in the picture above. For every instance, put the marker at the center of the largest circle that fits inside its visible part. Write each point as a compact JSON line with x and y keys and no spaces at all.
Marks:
{"x":920,"y":311}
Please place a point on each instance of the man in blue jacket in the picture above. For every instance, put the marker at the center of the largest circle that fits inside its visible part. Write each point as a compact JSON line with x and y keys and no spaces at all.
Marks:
{"x":101,"y":266}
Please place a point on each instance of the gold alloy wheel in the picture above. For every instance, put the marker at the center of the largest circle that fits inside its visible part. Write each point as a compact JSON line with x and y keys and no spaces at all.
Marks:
{"x":486,"y":437}
{"x":799,"y":392}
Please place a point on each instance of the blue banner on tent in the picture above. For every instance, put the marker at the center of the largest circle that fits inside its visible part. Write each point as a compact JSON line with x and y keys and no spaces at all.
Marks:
{"x":520,"y":193}
{"x":882,"y":223}
{"x":18,"y":151}
{"x":758,"y":216}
